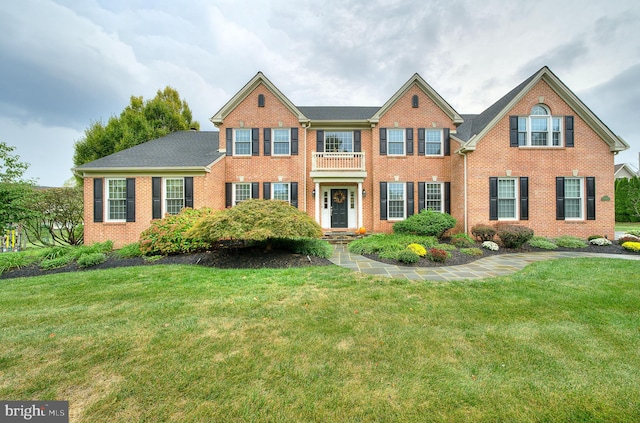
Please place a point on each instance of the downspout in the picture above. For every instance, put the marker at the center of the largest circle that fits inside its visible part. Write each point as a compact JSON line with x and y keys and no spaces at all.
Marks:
{"x":304,"y":180}
{"x":466,"y":224}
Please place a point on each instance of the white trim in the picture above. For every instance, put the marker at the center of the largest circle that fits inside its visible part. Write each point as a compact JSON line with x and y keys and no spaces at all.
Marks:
{"x":164,"y":194}
{"x":233,"y":192}
{"x":404,"y":201}
{"x":404,"y":142}
{"x":582,"y":198}
{"x":235,"y":153}
{"x":516,"y":210}
{"x":107,"y":202}
{"x":426,"y":200}
{"x":273,"y":141}
{"x":272,"y":188}
{"x":427,"y":130}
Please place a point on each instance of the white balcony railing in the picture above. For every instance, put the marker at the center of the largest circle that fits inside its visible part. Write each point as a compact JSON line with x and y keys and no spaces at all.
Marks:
{"x":337,"y":161}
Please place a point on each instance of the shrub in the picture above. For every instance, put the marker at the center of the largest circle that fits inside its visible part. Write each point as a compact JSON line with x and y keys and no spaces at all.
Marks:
{"x":306,"y":246}
{"x":418,"y":249}
{"x":54,"y":263}
{"x":592,"y":237}
{"x":634,"y":232}
{"x":445,"y":247}
{"x":438,"y":255}
{"x":407,"y":256}
{"x":471,"y":251}
{"x":490,"y":245}
{"x":91,"y":259}
{"x":600,"y":241}
{"x":632,"y":246}
{"x":628,"y":238}
{"x":377,"y":243}
{"x":98,"y":247}
{"x":514,"y":236}
{"x":168,"y":235}
{"x":483,"y":232}
{"x":568,"y":241}
{"x":129,"y":251}
{"x":427,"y":223}
{"x":462,"y":240}
{"x":53,"y":252}
{"x":542,"y":242}
{"x":15,"y":260}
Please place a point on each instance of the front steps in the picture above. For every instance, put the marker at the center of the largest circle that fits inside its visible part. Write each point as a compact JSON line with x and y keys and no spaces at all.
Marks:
{"x":341,"y":237}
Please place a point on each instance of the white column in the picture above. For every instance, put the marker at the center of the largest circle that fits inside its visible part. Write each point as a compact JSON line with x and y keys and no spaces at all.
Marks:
{"x":359,"y":205}
{"x":318,"y":200}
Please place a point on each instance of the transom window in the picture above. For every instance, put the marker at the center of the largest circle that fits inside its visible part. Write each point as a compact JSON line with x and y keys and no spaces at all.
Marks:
{"x":433,"y":142}
{"x":540,"y":129}
{"x":338,"y":142}
{"x":241,"y":192}
{"x":573,"y":194}
{"x":396,"y":200}
{"x":242,"y":142}
{"x":395,"y":142}
{"x":507,"y":199}
{"x":117,"y":199}
{"x":433,"y":196}
{"x":174,"y":195}
{"x":281,"y":191}
{"x":281,"y":142}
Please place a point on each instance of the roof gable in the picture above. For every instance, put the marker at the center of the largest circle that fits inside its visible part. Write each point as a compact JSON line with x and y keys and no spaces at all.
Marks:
{"x":239,"y":97}
{"x":428,"y":90}
{"x":480,"y":125}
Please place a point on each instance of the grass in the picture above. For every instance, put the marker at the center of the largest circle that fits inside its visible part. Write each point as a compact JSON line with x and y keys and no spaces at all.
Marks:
{"x":557,"y":341}
{"x":627,"y":226}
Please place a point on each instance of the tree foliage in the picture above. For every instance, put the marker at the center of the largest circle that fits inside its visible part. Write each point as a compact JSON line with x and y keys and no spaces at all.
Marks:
{"x":628,"y":199}
{"x":139,"y":122}
{"x":256,"y":220}
{"x":57,"y":216}
{"x":13,"y":188}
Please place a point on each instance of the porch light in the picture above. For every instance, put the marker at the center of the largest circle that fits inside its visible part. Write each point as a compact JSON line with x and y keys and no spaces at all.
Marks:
{"x":364,"y":193}
{"x":313,"y":193}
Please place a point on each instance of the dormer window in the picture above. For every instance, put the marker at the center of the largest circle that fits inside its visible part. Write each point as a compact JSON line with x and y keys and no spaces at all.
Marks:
{"x":539,"y":129}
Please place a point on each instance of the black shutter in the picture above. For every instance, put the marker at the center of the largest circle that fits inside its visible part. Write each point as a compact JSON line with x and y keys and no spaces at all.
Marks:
{"x":319,"y":141}
{"x":156,"y":198}
{"x":421,"y":141}
{"x":559,"y":198}
{"x":493,"y":198}
{"x":98,"y":202}
{"x":228,"y":194}
{"x":383,"y":201}
{"x":513,"y":131}
{"x":294,"y":141}
{"x":188,"y":191}
{"x":266,"y":190}
{"x":591,"y":198}
{"x":447,"y":197}
{"x":410,"y":199}
{"x":421,"y":199}
{"x":294,"y":194}
{"x":229,"y":142}
{"x":357,"y":141}
{"x":383,"y":142}
{"x":255,"y":142}
{"x":524,"y":198}
{"x":131,"y":200}
{"x":409,"y":141}
{"x":568,"y":131}
{"x":446,"y":140}
{"x":255,"y":190}
{"x":267,"y":141}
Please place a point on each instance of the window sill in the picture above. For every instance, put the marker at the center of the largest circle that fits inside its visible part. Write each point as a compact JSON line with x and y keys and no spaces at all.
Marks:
{"x":541,"y":147}
{"x":115,"y":222}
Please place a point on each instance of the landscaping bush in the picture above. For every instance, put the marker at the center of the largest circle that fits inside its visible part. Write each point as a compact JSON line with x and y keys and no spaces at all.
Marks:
{"x":407,"y":256}
{"x":634,"y":232}
{"x":483,"y":232}
{"x":53,"y":252}
{"x":542,"y":242}
{"x":54,"y":263}
{"x":592,"y":237}
{"x":568,"y":241}
{"x":445,"y":247}
{"x":471,"y":251}
{"x":306,"y":246}
{"x":418,"y":249}
{"x":98,"y":247}
{"x":16,"y":260}
{"x":426,"y":223}
{"x":514,"y":236}
{"x":632,"y":246}
{"x":628,"y":238}
{"x":438,"y":255}
{"x":129,"y":251}
{"x":378,"y":243}
{"x":91,"y":259}
{"x":490,"y":245}
{"x":168,"y":235}
{"x":600,"y":241}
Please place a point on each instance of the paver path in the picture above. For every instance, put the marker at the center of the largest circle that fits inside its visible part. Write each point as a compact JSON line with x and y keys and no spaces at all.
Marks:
{"x":498,"y":265}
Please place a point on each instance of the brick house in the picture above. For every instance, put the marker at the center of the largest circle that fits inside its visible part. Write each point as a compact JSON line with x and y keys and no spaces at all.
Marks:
{"x":537,"y":157}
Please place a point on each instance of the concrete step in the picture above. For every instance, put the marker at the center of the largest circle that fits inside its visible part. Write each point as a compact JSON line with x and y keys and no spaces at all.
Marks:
{"x":338,"y":238}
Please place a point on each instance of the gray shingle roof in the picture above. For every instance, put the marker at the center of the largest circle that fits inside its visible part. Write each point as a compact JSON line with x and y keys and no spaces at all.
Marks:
{"x":179,"y":149}
{"x":338,"y":112}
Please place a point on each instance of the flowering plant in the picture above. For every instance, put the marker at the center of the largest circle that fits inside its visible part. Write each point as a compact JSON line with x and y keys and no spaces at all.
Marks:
{"x":600,"y":241}
{"x":418,"y":249}
{"x":490,"y":245}
{"x":632,"y":246}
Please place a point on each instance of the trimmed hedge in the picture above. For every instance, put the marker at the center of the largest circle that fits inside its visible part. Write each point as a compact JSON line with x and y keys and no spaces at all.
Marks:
{"x":425,"y":223}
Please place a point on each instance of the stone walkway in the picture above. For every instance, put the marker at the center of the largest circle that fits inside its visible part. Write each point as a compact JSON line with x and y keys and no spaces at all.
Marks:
{"x":498,"y":265}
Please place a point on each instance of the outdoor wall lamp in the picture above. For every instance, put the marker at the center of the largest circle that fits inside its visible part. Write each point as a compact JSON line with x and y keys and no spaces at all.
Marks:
{"x":364,"y":193}
{"x":313,"y":193}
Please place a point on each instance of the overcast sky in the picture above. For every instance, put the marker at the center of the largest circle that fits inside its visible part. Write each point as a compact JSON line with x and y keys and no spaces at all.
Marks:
{"x":66,"y":63}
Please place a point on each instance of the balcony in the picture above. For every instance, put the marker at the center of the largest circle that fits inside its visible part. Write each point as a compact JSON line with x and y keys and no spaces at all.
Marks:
{"x":337,"y":165}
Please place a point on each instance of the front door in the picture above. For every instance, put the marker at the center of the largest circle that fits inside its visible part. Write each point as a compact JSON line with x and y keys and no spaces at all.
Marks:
{"x":339,"y":208}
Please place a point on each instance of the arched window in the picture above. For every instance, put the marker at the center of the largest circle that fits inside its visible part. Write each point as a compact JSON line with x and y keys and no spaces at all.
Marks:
{"x":414,"y":101}
{"x":540,"y":128}
{"x":261,"y":100}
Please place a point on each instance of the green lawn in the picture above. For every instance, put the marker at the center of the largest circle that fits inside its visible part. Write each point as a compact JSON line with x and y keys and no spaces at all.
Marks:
{"x":626,"y":226}
{"x":557,"y":341}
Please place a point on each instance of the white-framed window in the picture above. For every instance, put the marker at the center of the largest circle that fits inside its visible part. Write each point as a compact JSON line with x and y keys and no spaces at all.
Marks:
{"x":281,"y":191}
{"x":117,"y":199}
{"x":338,"y":141}
{"x":433,"y":142}
{"x":395,"y":142}
{"x":173,"y":195}
{"x":241,"y":192}
{"x":242,"y":142}
{"x":281,"y":142}
{"x":540,"y":129}
{"x":433,"y":196}
{"x":573,"y":198}
{"x":507,"y":199}
{"x":396,"y":195}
